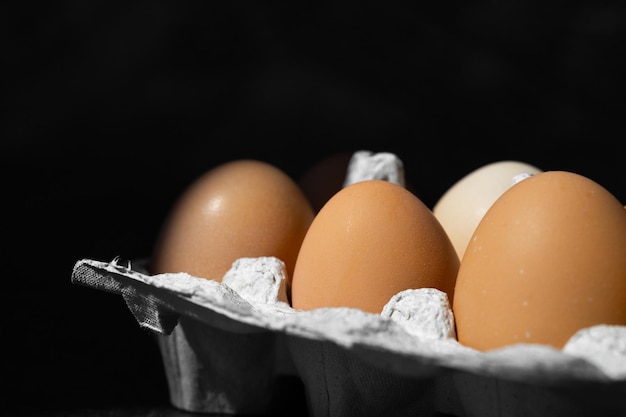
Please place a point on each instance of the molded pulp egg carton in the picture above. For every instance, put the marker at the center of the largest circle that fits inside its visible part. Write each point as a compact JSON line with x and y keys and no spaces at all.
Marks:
{"x":219,"y":343}
{"x":223,"y":345}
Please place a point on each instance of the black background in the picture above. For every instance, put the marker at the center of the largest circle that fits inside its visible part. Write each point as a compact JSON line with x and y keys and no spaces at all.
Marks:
{"x":110,"y":110}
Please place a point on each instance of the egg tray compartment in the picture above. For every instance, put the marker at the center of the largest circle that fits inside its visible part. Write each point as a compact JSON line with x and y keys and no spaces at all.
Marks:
{"x":222,"y":351}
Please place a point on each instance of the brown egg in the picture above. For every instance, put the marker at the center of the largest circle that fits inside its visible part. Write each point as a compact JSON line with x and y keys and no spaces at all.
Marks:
{"x":243,"y":208}
{"x":547,"y":259}
{"x":322,"y":180}
{"x":371,"y":240}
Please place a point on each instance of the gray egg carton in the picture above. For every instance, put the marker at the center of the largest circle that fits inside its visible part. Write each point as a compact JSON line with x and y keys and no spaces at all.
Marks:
{"x":224,"y":343}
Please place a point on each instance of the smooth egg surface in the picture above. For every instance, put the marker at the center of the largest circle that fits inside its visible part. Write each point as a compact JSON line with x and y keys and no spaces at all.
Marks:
{"x":371,"y":240}
{"x":462,"y":206}
{"x":547,"y":259}
{"x":242,"y":208}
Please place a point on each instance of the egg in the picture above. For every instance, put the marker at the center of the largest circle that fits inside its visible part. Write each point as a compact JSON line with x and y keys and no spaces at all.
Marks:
{"x":324,"y":178}
{"x":546,"y":260}
{"x":329,"y":175}
{"x":461,"y":207}
{"x":371,"y":240}
{"x":242,"y":208}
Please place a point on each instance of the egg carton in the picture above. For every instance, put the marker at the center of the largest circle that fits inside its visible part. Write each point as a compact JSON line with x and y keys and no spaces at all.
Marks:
{"x":224,"y":343}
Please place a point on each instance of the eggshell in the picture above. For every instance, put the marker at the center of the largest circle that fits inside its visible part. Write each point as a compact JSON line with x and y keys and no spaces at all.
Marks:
{"x":242,"y":208}
{"x":371,"y":240}
{"x":461,"y":207}
{"x":547,"y":259}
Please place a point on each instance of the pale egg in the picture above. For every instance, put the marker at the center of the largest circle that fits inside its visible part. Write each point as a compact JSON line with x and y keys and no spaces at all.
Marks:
{"x":546,"y":260}
{"x":462,"y":206}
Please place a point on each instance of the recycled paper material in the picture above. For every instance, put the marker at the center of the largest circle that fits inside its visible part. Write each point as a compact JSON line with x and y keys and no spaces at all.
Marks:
{"x":352,"y":362}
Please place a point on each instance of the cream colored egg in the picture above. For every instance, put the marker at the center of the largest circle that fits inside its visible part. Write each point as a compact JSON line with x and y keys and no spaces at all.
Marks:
{"x":461,"y":207}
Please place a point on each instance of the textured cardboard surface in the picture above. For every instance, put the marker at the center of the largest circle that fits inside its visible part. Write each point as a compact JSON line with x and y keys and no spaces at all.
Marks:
{"x":219,"y":354}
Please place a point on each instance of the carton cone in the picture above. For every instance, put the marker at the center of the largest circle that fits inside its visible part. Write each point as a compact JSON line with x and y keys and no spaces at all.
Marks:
{"x":211,"y":370}
{"x":340,"y":384}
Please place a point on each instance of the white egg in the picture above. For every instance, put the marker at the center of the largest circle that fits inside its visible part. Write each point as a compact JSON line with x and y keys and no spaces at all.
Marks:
{"x":462,"y":206}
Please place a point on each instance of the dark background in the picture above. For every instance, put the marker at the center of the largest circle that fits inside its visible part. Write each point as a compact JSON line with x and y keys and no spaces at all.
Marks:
{"x":110,"y":110}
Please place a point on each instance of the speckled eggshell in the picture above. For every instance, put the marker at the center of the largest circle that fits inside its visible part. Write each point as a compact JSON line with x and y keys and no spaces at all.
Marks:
{"x":371,"y":240}
{"x":547,"y":259}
